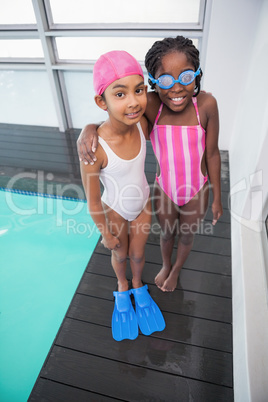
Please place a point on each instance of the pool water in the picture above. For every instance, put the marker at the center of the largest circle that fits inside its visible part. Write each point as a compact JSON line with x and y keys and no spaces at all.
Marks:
{"x":45,"y":245}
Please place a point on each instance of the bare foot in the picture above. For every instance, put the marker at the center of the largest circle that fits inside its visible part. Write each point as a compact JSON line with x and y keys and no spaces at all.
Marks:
{"x":171,"y":282}
{"x":162,"y":276}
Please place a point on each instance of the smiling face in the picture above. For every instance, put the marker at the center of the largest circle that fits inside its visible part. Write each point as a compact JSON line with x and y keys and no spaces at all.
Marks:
{"x":125,"y":100}
{"x":178,"y":97}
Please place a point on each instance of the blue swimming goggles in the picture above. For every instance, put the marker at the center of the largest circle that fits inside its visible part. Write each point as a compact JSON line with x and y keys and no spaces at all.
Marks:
{"x":167,"y":81}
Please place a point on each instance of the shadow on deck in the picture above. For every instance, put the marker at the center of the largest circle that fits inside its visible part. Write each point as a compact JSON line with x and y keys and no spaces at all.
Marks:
{"x":191,"y":360}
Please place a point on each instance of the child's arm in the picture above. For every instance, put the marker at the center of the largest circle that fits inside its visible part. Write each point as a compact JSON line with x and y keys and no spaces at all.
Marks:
{"x":213,"y":159}
{"x":87,"y":144}
{"x":91,"y":183}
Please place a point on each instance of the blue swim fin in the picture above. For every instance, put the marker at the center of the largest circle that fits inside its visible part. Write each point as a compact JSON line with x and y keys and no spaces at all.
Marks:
{"x":149,"y":316}
{"x":124,"y":320}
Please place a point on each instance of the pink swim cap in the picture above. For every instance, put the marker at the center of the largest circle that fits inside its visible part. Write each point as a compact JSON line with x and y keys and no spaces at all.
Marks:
{"x":112,"y":66}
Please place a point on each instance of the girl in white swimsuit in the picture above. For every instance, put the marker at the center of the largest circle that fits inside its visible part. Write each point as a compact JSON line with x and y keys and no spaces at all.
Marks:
{"x":123,"y":213}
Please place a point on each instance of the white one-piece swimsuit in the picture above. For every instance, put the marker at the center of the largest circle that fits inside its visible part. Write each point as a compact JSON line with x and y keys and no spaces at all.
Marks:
{"x":126,"y":189}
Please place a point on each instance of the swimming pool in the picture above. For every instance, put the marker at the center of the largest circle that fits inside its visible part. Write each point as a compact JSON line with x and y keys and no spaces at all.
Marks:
{"x":45,"y":245}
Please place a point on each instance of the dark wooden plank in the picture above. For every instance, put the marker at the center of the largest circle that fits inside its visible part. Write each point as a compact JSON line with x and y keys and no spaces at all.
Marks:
{"x":180,"y":301}
{"x":208,"y":263}
{"x":191,"y":280}
{"x":150,"y":177}
{"x":31,"y":147}
{"x":48,"y":166}
{"x":42,"y":140}
{"x":147,"y":352}
{"x":221,"y":229}
{"x":50,"y":391}
{"x":225,"y":183}
{"x":215,"y":245}
{"x":91,"y":309}
{"x":197,"y":332}
{"x":102,"y":376}
{"x":24,"y":129}
{"x":150,"y":167}
{"x":179,"y":328}
{"x":35,"y":148}
{"x":196,"y":260}
{"x":194,"y":304}
{"x":41,"y":155}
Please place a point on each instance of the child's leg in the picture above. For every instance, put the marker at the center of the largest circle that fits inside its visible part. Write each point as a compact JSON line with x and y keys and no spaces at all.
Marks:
{"x":119,"y":228}
{"x":138,"y":235}
{"x":167,"y":214}
{"x":190,"y":218}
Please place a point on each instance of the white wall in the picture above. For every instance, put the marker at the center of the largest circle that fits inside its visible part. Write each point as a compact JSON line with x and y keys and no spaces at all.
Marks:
{"x":237,"y":58}
{"x":230,"y":42}
{"x":248,"y":154}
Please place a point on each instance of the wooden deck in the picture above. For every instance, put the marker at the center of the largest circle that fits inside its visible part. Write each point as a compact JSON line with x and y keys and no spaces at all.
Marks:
{"x":191,"y":360}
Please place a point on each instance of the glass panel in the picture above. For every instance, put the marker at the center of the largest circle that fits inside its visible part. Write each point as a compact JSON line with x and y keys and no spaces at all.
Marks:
{"x":118,"y":11}
{"x":17,"y":12}
{"x":21,"y":48}
{"x":91,"y":48}
{"x":26,"y":98}
{"x":80,"y":92}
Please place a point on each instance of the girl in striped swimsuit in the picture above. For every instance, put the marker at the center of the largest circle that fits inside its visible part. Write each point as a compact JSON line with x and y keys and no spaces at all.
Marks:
{"x":184,"y":136}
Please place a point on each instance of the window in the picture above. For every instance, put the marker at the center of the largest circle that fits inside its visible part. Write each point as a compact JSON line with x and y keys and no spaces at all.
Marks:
{"x":21,"y":49}
{"x":120,"y":12}
{"x":63,"y":38}
{"x":17,"y":12}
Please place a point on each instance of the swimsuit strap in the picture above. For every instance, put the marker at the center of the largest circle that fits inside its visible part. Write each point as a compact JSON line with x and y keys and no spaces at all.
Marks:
{"x":158,"y":114}
{"x":196,"y":109}
{"x":140,"y":131}
{"x":194,"y":100}
{"x":108,"y":150}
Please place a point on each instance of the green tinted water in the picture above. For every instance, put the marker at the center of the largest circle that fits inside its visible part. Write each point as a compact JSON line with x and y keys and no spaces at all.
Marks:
{"x":45,"y":245}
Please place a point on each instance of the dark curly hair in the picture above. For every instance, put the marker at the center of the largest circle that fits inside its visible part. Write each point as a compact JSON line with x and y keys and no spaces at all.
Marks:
{"x":153,"y":58}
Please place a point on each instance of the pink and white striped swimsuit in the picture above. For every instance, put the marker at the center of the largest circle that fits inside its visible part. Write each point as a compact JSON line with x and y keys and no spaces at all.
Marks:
{"x":179,"y":151}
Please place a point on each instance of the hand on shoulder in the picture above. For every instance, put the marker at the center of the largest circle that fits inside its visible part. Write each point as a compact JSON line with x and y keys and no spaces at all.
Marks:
{"x":87,"y":144}
{"x":98,"y":163}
